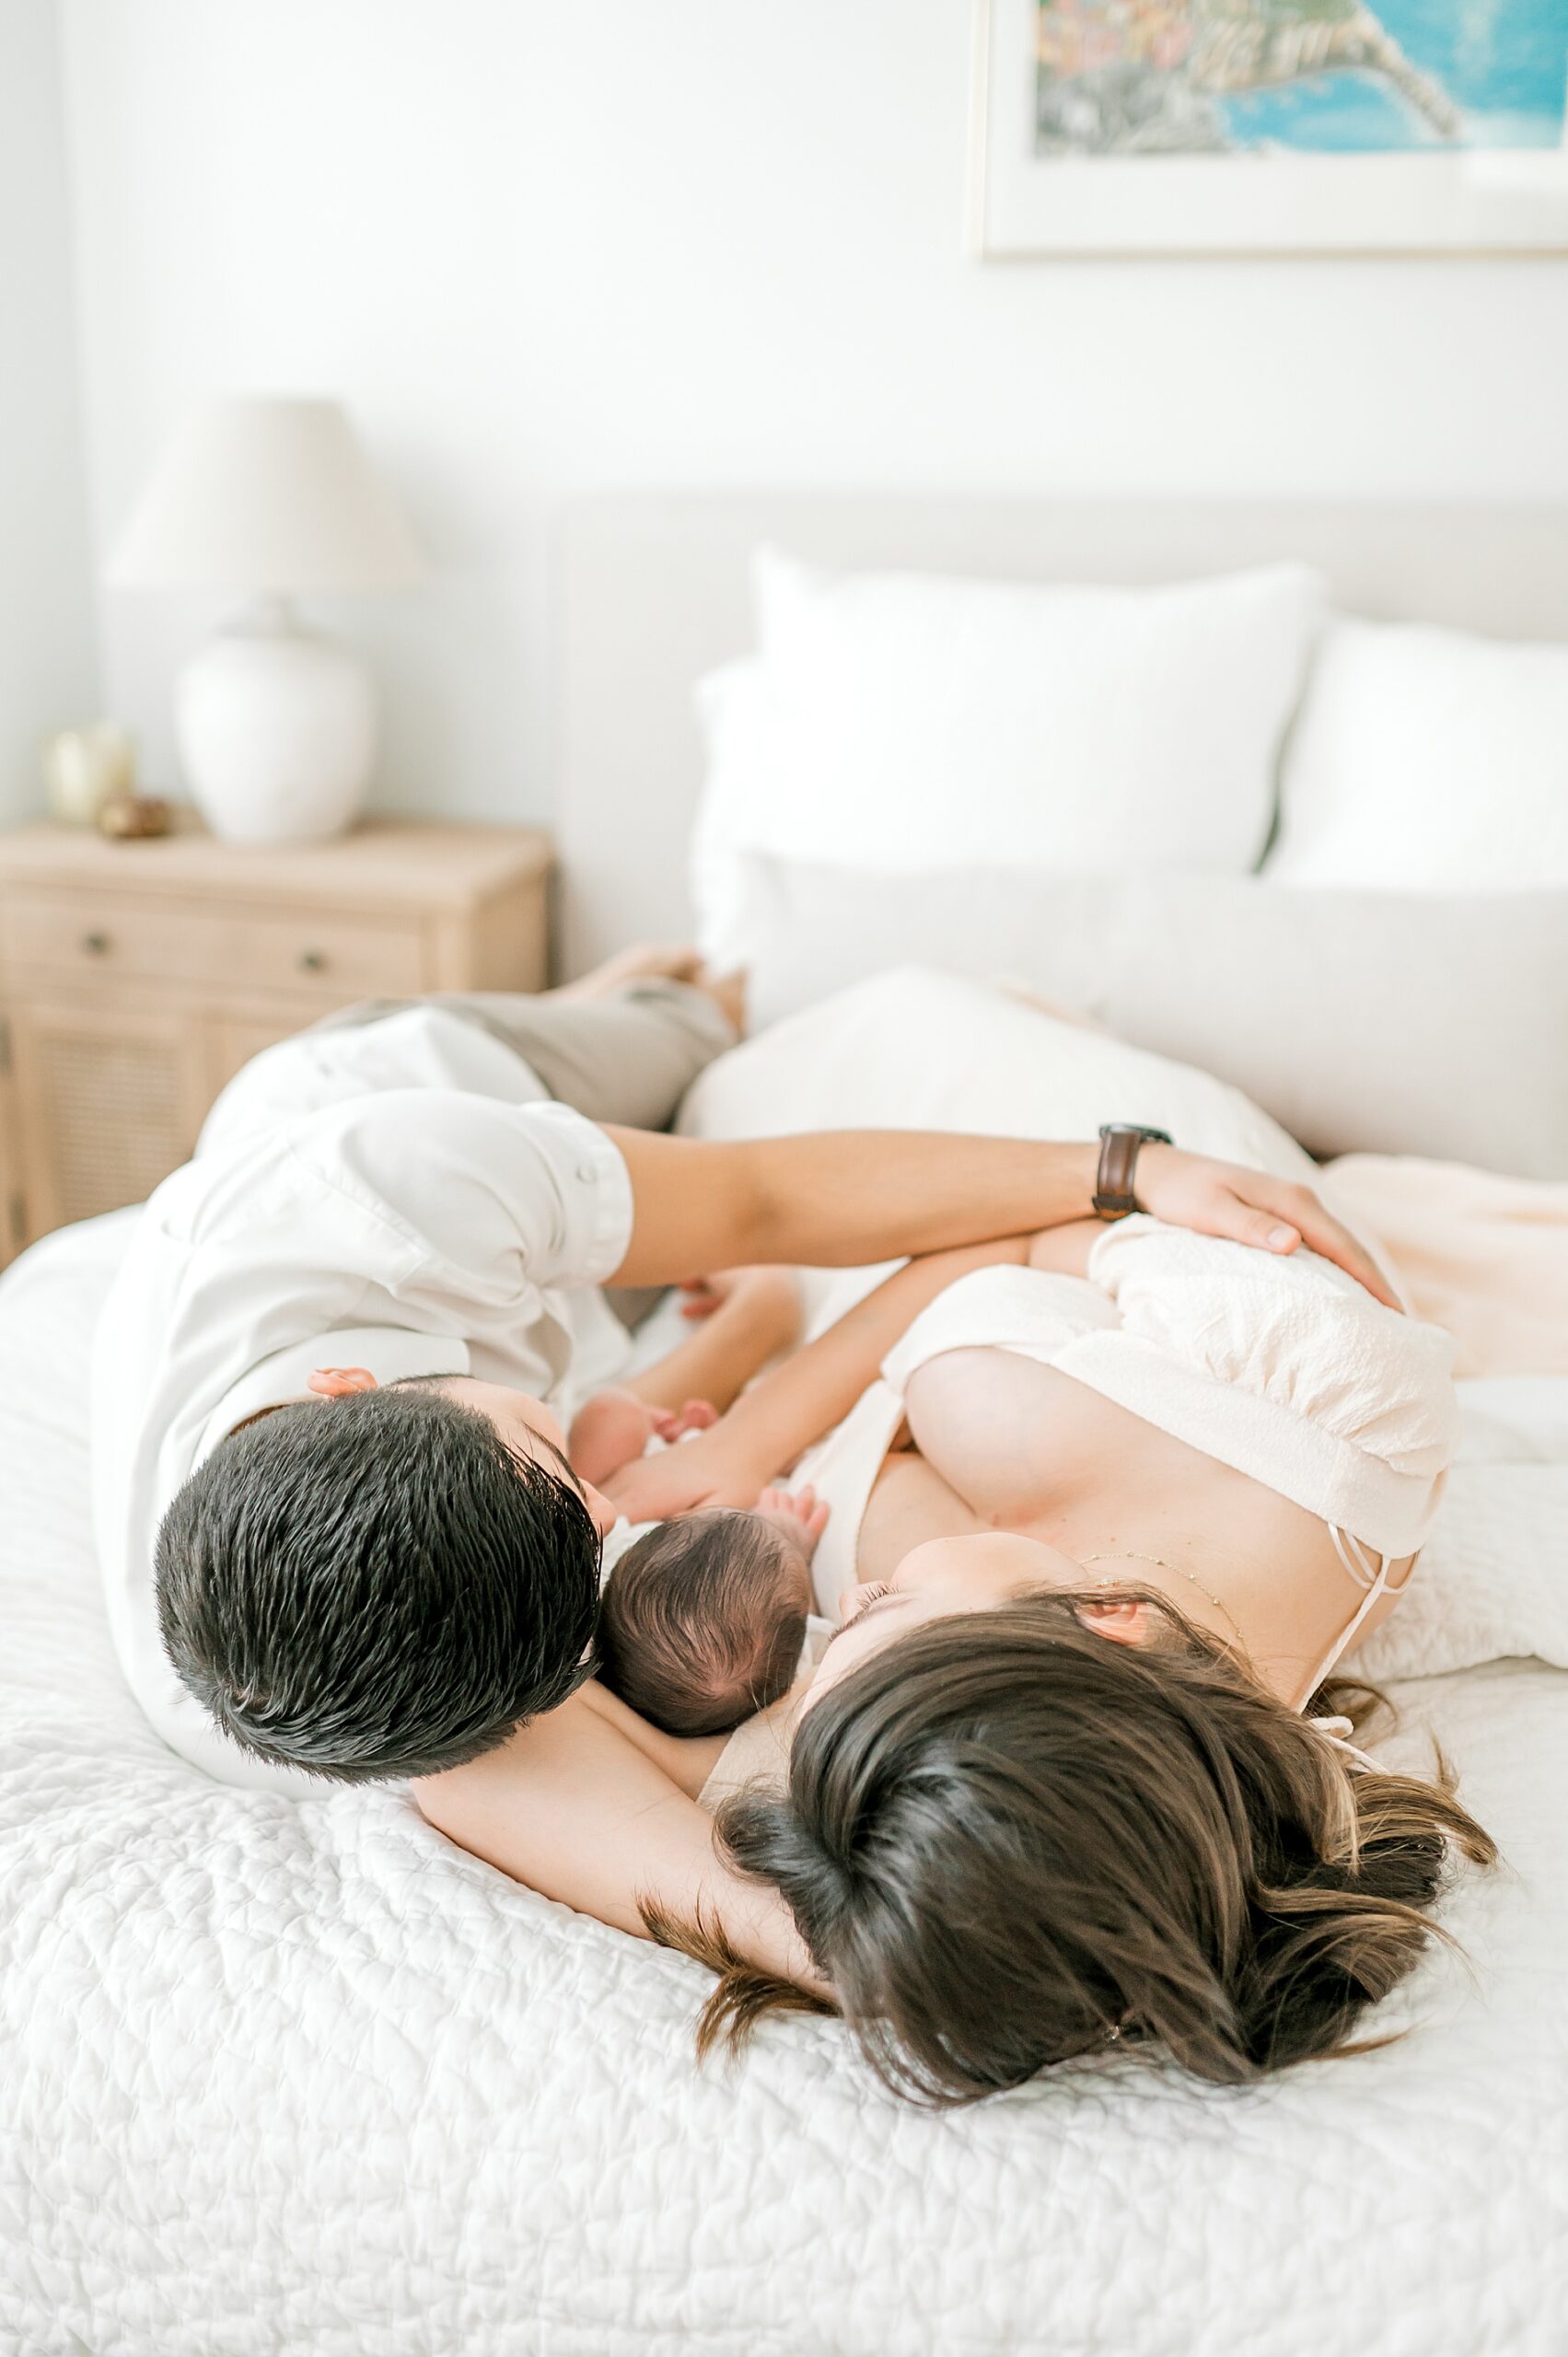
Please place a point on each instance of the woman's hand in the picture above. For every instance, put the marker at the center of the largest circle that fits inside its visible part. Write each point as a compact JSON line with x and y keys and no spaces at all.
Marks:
{"x":707,"y":1471}
{"x":1249,"y":1207}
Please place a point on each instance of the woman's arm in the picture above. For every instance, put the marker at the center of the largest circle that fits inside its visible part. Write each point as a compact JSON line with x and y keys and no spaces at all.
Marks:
{"x":758,"y":1315}
{"x":769,"y":1426}
{"x":578,"y":1811}
{"x":687,"y":1760}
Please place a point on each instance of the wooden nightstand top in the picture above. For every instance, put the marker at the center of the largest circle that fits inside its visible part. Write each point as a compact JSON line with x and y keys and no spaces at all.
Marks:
{"x":387,"y":861}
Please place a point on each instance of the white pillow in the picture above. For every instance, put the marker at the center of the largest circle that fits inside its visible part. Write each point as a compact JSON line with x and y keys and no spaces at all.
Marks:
{"x":904,"y":721}
{"x":1427,"y":760}
{"x":739,"y":789}
{"x":1385,"y":1023}
{"x":913,"y":1048}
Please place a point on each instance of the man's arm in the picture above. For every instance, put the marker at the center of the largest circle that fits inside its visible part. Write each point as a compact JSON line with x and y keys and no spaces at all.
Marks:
{"x":840,"y":1199}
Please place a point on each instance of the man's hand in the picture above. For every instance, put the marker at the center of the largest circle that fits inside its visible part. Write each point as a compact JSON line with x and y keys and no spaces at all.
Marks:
{"x":1275,"y":1215}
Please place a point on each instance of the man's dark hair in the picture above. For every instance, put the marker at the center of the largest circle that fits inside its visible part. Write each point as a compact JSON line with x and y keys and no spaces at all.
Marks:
{"x":375,"y":1586}
{"x":703,"y":1621}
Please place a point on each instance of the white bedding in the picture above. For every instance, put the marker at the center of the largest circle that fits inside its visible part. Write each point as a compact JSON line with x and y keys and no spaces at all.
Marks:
{"x":279,"y":2077}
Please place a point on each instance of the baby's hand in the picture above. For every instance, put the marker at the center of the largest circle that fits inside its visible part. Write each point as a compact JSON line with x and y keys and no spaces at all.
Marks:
{"x":799,"y":1514}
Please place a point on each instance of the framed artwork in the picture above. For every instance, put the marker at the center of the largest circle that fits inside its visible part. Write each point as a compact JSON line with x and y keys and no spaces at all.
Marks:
{"x":1151,"y":127}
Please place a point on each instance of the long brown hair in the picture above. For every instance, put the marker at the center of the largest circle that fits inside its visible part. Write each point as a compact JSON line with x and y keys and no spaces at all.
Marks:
{"x":1010,"y":1841}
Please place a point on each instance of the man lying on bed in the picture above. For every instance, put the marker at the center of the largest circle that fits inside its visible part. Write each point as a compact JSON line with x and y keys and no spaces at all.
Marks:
{"x":383,"y":1573}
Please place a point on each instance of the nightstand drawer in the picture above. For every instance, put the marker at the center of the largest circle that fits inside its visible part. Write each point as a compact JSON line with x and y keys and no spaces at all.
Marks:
{"x":338,"y":956}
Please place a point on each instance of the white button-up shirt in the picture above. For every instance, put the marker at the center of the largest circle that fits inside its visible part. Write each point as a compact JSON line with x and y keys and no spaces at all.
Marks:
{"x":400,"y":1197}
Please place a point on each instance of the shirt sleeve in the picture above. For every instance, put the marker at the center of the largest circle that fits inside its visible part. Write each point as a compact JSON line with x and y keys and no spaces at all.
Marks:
{"x":470,"y":1201}
{"x":423,"y":1046}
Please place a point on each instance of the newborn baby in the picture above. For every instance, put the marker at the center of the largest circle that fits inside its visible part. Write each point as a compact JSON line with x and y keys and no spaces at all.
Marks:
{"x":703,"y":1621}
{"x":705,"y":1615}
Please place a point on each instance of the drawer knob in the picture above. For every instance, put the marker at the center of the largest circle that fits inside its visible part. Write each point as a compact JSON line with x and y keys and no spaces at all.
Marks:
{"x":313,"y":961}
{"x":96,"y":945}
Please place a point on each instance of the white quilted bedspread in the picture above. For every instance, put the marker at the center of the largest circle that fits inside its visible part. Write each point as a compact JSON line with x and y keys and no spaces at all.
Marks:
{"x":278,"y":2078}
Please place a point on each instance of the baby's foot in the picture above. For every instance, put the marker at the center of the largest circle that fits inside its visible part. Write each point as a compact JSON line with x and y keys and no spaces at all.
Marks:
{"x":798,"y":1513}
{"x":613,"y":1428}
{"x":607,"y":1432}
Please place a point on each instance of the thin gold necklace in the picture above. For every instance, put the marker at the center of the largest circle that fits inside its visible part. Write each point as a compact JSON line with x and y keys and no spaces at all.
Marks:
{"x":1132,"y":1555}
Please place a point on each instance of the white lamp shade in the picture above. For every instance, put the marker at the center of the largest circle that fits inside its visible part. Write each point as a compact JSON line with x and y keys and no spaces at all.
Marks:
{"x":265,"y":496}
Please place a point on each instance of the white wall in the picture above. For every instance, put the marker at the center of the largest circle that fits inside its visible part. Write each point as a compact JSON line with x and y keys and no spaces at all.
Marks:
{"x":48,"y":650}
{"x":543,"y":247}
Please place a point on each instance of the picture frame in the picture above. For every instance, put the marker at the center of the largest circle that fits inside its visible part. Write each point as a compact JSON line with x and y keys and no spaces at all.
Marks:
{"x":1213,"y":128}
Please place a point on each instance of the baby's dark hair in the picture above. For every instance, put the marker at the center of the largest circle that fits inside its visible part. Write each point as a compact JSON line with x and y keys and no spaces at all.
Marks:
{"x":703,"y":1621}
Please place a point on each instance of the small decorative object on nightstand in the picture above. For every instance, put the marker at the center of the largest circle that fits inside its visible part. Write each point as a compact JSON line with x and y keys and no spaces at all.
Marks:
{"x":138,"y":977}
{"x":131,"y":816}
{"x":273,"y":499}
{"x":84,"y":769}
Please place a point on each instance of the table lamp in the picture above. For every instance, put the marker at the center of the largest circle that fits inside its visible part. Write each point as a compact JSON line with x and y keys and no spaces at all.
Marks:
{"x":273,"y":499}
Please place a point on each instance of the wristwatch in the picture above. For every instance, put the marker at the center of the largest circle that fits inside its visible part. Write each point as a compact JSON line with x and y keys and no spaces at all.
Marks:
{"x":1120,"y":1142}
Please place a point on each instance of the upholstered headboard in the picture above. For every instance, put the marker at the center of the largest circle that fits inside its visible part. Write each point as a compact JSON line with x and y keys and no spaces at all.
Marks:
{"x":654,"y":592}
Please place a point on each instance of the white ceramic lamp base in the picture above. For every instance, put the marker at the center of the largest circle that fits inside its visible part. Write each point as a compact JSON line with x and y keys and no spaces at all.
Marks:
{"x":276,"y":729}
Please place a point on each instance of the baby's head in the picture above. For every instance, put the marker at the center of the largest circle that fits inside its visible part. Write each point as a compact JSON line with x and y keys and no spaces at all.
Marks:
{"x":702,"y":1623}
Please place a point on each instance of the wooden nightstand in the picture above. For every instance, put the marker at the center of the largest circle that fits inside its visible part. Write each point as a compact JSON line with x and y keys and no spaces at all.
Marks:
{"x":136,"y":977}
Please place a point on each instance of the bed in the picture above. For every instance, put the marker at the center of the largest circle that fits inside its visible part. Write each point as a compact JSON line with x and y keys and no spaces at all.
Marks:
{"x":278,"y":2076}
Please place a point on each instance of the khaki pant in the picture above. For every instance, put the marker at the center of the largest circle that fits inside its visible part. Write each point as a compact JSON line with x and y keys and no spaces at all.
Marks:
{"x":628,"y":1059}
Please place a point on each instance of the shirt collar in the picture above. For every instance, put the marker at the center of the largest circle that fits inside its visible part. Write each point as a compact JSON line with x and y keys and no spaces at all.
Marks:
{"x":389,"y":1353}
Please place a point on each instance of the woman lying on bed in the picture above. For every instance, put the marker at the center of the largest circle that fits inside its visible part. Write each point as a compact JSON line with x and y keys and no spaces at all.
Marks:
{"x":1107,"y":1505}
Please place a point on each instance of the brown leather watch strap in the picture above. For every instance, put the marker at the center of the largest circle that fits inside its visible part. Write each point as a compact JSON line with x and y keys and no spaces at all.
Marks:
{"x":1116,"y":1183}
